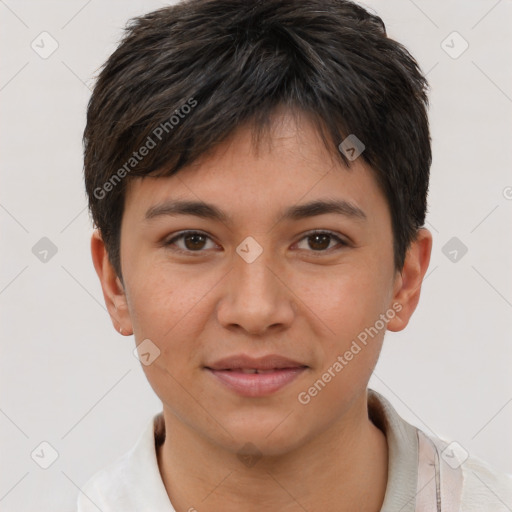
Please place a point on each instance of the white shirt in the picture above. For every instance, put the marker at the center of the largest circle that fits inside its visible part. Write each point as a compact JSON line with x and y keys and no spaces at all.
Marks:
{"x":425,"y":474}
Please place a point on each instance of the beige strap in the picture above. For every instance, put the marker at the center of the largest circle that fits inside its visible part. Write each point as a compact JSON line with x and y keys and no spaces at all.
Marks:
{"x":439,"y":486}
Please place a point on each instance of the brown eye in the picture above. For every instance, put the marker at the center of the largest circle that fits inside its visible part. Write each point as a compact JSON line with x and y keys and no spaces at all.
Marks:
{"x":190,"y":242}
{"x":321,"y":241}
{"x":194,"y":242}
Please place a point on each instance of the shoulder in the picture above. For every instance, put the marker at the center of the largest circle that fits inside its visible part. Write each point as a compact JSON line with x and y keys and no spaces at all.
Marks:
{"x":436,"y":470}
{"x":468,"y":480}
{"x":106,"y":486}
{"x":131,"y":480}
{"x":485,"y":488}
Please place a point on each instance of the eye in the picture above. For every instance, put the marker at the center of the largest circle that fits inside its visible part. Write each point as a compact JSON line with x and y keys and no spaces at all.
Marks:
{"x":196,"y":242}
{"x":320,"y":241}
{"x":192,"y":241}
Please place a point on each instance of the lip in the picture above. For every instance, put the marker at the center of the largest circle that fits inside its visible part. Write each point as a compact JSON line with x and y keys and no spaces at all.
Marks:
{"x":278,"y":372}
{"x":243,"y":361}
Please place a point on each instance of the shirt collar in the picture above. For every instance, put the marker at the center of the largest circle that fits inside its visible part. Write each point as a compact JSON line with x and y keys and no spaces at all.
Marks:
{"x":402,"y":440}
{"x":133,"y":482}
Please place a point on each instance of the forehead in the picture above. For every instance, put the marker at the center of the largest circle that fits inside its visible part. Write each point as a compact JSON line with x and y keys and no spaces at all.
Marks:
{"x":291,"y":165}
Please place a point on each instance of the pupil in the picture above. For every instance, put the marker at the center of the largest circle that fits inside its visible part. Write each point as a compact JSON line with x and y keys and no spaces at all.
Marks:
{"x":324,"y":238}
{"x":195,"y":244}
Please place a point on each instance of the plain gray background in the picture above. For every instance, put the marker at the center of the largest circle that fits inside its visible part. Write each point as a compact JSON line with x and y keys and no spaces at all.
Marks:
{"x":69,"y":379}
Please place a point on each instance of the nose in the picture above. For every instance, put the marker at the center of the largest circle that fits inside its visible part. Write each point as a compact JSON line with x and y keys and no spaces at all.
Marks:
{"x":256,"y":298}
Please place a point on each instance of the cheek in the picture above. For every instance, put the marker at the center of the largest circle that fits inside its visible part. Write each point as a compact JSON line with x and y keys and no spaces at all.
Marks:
{"x":345,"y":301}
{"x":161,"y":297}
{"x":171,"y":308}
{"x":349,"y":304}
{"x":165,"y":308}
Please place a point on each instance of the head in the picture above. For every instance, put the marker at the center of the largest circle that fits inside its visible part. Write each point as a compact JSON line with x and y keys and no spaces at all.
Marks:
{"x":242,"y":108}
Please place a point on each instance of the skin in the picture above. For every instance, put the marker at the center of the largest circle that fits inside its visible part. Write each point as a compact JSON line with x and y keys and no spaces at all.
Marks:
{"x":304,"y":304}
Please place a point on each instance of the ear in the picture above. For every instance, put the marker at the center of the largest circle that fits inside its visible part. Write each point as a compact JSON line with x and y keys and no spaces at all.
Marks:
{"x":407,"y":287}
{"x":113,"y":290}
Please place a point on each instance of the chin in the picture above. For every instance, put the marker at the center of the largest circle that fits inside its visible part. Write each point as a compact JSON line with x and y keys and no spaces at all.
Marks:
{"x":270,"y":436}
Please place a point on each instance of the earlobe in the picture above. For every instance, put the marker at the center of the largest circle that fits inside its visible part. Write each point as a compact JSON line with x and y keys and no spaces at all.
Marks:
{"x":113,"y":290}
{"x":408,"y":283}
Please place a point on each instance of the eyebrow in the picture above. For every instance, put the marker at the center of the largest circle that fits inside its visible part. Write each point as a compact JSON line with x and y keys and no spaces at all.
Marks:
{"x":297,"y":212}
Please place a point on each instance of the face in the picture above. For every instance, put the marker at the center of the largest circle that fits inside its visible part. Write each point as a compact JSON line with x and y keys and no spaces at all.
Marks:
{"x":299,"y":292}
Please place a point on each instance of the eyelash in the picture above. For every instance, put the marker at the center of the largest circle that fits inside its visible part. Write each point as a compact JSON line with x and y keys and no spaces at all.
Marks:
{"x":183,"y":234}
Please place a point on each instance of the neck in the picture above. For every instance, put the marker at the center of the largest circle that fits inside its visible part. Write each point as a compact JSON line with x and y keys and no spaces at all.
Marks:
{"x":341,"y":470}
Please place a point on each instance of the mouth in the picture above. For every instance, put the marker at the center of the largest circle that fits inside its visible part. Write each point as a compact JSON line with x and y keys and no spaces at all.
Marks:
{"x":243,"y":362}
{"x":253,"y":370}
{"x":251,"y":377}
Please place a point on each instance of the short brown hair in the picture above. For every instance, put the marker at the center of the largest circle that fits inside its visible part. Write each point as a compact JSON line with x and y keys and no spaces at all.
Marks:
{"x":197,"y":70}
